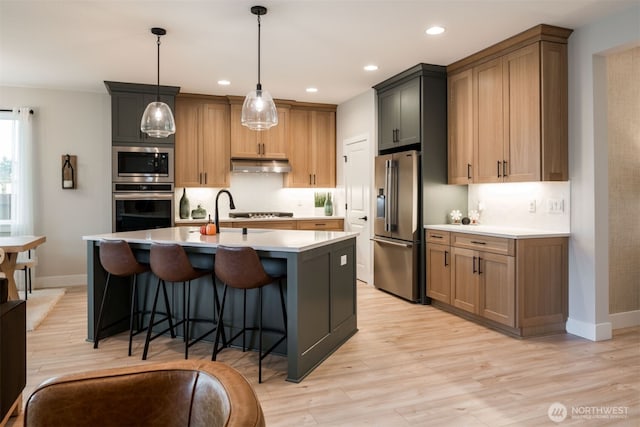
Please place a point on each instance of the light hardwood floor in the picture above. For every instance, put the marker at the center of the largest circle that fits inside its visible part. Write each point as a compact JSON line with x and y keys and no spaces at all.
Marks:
{"x":408,"y":365}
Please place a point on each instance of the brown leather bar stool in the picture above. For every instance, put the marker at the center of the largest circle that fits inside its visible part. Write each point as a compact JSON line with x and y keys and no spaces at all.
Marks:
{"x":170,"y":263}
{"x":118,"y":260}
{"x":240,"y":268}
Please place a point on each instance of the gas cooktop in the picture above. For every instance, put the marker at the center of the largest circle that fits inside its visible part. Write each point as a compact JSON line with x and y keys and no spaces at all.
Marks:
{"x":260,"y":214}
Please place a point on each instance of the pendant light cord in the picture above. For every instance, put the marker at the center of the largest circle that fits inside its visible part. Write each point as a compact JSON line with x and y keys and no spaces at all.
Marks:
{"x":259,"y":87}
{"x":158,"y":85}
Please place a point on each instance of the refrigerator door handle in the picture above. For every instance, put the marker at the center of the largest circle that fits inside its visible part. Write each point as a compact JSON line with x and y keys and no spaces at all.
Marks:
{"x":392,"y":242}
{"x":388,"y":192}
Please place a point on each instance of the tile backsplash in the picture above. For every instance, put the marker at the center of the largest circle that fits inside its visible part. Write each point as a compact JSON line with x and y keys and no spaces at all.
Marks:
{"x":544,"y":205}
{"x":254,"y":192}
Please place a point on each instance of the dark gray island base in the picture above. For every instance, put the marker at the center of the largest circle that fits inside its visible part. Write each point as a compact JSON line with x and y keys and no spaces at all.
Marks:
{"x":320,"y":289}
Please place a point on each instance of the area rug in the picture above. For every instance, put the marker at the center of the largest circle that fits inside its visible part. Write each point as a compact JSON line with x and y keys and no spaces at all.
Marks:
{"x":39,"y":304}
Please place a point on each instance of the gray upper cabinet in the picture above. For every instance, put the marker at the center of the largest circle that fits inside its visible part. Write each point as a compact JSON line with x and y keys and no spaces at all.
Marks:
{"x":128,"y":102}
{"x":399,"y":115}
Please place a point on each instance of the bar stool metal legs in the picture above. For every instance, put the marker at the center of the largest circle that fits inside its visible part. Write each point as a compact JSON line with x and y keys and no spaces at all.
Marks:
{"x":240,"y":267}
{"x":118,"y":260}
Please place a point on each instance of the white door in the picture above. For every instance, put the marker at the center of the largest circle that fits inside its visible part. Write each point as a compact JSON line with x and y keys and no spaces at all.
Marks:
{"x":357,"y":178}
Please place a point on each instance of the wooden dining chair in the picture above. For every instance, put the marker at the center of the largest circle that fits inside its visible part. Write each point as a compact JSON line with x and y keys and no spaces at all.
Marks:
{"x":26,"y":264}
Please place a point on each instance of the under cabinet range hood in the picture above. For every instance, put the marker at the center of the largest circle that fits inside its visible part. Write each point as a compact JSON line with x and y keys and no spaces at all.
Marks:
{"x":253,"y":165}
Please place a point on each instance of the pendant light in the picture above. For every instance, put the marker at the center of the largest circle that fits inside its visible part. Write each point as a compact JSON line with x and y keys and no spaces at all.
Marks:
{"x":259,"y":111}
{"x":157,"y":120}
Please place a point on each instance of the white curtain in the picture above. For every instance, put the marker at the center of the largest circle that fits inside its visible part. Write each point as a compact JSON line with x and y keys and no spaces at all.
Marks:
{"x":22,"y":179}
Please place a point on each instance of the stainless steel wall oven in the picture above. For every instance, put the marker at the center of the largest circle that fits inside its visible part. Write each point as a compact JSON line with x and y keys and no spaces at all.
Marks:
{"x":142,"y":206}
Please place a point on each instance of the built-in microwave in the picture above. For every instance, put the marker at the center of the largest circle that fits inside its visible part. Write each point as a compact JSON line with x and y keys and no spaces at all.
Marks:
{"x":142,"y":164}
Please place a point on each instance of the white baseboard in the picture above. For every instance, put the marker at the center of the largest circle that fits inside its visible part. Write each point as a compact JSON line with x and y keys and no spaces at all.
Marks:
{"x":60,"y":281}
{"x":590,"y":331}
{"x":625,"y":319}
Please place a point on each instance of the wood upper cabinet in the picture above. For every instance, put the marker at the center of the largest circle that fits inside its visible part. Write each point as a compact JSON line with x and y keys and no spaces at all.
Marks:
{"x":251,"y":144}
{"x":488,"y":121}
{"x":520,"y":109}
{"x":312,"y":148}
{"x":202,"y":142}
{"x":399,"y":115}
{"x":460,"y":127}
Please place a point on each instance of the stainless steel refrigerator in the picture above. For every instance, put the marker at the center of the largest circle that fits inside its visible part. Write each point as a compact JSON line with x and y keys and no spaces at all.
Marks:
{"x":397,"y":224}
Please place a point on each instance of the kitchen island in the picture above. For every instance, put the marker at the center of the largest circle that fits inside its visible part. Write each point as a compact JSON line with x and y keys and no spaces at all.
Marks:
{"x":320,"y":286}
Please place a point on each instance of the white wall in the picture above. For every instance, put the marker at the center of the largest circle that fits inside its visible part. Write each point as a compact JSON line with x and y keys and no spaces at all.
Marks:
{"x":256,"y":192}
{"x":588,"y":170}
{"x":507,"y":204}
{"x":76,"y":123}
{"x":355,"y":118}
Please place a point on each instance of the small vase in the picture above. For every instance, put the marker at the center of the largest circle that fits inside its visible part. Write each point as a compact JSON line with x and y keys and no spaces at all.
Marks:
{"x":184,"y":205}
{"x":328,"y":206}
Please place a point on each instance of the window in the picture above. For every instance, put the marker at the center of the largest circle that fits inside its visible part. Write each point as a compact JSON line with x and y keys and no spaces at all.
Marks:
{"x":8,"y":130}
{"x":16,"y":171}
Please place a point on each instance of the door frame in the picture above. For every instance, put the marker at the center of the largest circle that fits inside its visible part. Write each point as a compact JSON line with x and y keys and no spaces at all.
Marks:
{"x":369,"y":224}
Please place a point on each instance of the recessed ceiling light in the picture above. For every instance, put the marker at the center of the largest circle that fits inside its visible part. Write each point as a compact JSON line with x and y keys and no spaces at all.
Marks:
{"x":370,"y":67}
{"x":432,"y":31}
{"x":312,"y":89}
{"x":224,"y":82}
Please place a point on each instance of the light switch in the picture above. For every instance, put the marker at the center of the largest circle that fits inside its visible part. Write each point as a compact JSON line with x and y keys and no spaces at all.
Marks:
{"x":343,"y":260}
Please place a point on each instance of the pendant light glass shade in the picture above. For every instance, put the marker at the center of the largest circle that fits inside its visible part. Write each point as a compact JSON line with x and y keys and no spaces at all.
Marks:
{"x":157,"y":120}
{"x":259,"y":111}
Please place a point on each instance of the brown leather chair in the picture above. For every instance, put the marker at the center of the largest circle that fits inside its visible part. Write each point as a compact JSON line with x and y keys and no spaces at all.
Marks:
{"x":170,"y":263}
{"x":182,"y":393}
{"x":117,"y":259}
{"x":240,"y":268}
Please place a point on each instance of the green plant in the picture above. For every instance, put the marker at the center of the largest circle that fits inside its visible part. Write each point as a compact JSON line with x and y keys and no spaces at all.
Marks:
{"x":319,"y":199}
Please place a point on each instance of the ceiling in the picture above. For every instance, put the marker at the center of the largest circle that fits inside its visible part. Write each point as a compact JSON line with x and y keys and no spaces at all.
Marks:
{"x":76,"y":45}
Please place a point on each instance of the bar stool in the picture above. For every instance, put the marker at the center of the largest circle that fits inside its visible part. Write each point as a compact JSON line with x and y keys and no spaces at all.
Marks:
{"x":118,"y":260}
{"x":240,"y":268}
{"x":170,"y":263}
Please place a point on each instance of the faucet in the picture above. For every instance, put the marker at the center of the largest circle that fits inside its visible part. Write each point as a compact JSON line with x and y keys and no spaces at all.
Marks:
{"x":231,"y":206}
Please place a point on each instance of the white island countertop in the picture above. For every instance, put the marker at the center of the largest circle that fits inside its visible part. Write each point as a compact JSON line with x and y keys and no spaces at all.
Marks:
{"x":499,"y":231}
{"x":257,"y":238}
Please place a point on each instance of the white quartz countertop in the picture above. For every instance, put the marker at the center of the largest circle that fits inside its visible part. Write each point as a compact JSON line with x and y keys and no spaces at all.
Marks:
{"x":257,"y":238}
{"x":286,"y":218}
{"x":499,"y":231}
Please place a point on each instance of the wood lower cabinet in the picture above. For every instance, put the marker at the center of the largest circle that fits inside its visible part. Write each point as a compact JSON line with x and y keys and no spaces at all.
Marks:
{"x":334,"y":224}
{"x":320,"y":224}
{"x":438,"y":265}
{"x":518,"y":286}
{"x":202,"y":141}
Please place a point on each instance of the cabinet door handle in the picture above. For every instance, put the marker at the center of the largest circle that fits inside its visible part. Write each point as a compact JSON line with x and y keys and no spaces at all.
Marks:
{"x":205,"y":177}
{"x":474,"y":265}
{"x":199,"y":177}
{"x":314,"y":179}
{"x":479,"y":265}
{"x":475,"y":242}
{"x":499,"y":168}
{"x":468,"y":170}
{"x":309,"y":179}
{"x":446,"y":254}
{"x":435,"y":236}
{"x":504,"y":168}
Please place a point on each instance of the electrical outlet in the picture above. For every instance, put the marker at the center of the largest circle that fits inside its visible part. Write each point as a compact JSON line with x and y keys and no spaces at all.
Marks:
{"x":555,"y":206}
{"x":532,"y":206}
